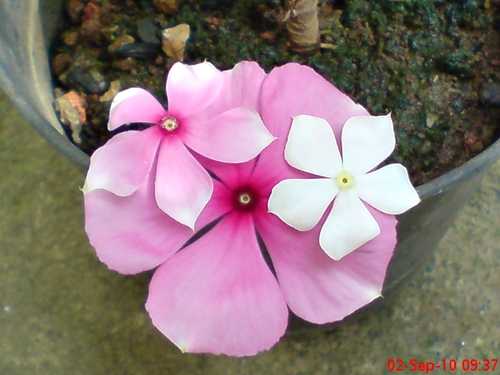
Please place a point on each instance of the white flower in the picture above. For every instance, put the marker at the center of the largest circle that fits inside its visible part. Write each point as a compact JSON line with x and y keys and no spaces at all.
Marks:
{"x":350,"y":181}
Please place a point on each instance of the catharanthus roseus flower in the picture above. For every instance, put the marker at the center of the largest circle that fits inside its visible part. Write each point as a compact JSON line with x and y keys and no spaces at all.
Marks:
{"x":218,"y":294}
{"x":347,"y":180}
{"x":131,"y":177}
{"x":202,"y":116}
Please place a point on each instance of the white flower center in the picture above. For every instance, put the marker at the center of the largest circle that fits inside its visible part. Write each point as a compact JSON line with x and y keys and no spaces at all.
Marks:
{"x":344,"y":180}
{"x":169,"y":123}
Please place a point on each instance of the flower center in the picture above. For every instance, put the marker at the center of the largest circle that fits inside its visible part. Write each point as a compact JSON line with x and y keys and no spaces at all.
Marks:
{"x":245,"y":198}
{"x":169,"y":123}
{"x":344,"y":180}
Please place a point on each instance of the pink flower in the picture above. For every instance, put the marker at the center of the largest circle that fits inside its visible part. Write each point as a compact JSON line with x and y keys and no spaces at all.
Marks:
{"x":218,"y":294}
{"x":210,"y":112}
{"x":135,"y":170}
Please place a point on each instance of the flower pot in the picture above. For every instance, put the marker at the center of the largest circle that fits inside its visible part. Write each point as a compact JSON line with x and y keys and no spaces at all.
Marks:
{"x":26,"y":29}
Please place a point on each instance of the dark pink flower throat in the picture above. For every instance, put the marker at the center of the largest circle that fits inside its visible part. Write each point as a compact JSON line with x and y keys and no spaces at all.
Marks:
{"x":245,"y":198}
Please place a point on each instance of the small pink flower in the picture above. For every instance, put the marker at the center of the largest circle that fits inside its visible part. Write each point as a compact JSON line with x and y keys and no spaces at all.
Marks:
{"x":210,"y":112}
{"x":218,"y":294}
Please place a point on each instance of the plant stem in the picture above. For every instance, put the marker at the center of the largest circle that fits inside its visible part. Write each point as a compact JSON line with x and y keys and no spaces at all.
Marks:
{"x":302,"y":25}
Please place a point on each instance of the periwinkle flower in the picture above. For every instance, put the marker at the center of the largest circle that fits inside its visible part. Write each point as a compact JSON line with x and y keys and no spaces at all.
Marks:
{"x":202,"y":116}
{"x":347,"y":180}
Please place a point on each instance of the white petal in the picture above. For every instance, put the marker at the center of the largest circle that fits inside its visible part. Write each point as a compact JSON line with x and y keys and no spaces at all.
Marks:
{"x":388,"y":189}
{"x":301,"y":203}
{"x":366,"y":142}
{"x":312,"y":147}
{"x":348,"y":226}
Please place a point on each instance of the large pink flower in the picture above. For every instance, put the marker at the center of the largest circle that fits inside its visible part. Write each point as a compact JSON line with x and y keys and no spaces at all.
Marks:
{"x":218,"y":294}
{"x":210,"y":112}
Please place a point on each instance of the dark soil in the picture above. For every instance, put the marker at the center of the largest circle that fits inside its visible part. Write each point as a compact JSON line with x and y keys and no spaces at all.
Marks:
{"x":433,"y":64}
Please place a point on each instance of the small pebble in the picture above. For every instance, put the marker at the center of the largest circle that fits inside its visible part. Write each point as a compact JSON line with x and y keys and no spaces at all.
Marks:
{"x":139,"y":51}
{"x":91,"y":12}
{"x":60,"y":63}
{"x":75,"y":10}
{"x":70,"y":38}
{"x":490,"y":94}
{"x":89,"y":80}
{"x":268,"y":37}
{"x":114,"y":88}
{"x":174,"y":41}
{"x":147,"y":31}
{"x":119,"y":42}
{"x":71,"y":110}
{"x":167,"y":6}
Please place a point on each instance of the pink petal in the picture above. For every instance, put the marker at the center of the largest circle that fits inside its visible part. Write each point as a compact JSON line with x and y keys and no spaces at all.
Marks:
{"x":218,"y":295}
{"x":218,"y":205}
{"x":348,"y":225}
{"x":318,"y":288}
{"x":366,"y":142}
{"x":183,"y":186}
{"x":131,"y":234}
{"x":191,"y":89}
{"x":234,"y":136}
{"x":292,"y":90}
{"x":240,"y":88}
{"x":388,"y":189}
{"x":132,"y":106}
{"x":122,"y":164}
{"x":232,"y":175}
{"x":312,"y":147}
{"x":302,"y":202}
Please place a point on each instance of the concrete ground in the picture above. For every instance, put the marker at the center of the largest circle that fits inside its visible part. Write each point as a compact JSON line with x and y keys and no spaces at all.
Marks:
{"x":62,"y":312}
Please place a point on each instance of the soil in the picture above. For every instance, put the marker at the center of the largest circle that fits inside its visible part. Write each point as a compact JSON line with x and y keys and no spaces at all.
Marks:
{"x":433,"y":64}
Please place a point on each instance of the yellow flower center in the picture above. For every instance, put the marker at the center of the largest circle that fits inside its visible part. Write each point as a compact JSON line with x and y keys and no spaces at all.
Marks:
{"x":169,"y":124}
{"x":244,"y":198}
{"x":344,"y":180}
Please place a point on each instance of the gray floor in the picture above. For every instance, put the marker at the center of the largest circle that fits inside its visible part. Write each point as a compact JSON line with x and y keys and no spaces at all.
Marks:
{"x":62,"y":312}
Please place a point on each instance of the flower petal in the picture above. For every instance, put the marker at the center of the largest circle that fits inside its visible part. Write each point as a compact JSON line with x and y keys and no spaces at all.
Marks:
{"x":234,"y":136}
{"x":318,"y":288}
{"x":348,"y":226}
{"x":218,"y":205}
{"x":131,"y":234}
{"x":388,"y":189}
{"x":366,"y":142}
{"x":218,"y":295}
{"x":183,"y":186}
{"x":122,"y":164}
{"x":302,"y":202}
{"x":231,"y":175}
{"x":241,"y":87}
{"x":312,"y":147}
{"x":192,"y":88}
{"x":132,"y":106}
{"x":292,"y":90}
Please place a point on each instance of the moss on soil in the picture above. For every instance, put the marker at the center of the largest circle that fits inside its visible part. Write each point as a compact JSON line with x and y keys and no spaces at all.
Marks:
{"x":425,"y":61}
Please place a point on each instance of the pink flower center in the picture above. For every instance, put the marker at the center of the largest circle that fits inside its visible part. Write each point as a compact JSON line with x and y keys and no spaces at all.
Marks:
{"x":169,"y":123}
{"x":245,"y":198}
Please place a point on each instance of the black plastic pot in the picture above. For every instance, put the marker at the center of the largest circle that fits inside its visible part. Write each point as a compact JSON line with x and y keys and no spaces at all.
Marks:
{"x":26,"y":28}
